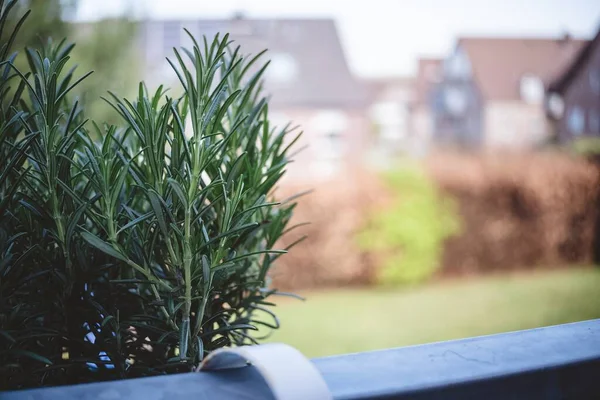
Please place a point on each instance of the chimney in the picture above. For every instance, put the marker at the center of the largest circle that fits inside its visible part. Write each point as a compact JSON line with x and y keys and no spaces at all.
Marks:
{"x":238,"y":15}
{"x":566,"y":38}
{"x":239,"y":24}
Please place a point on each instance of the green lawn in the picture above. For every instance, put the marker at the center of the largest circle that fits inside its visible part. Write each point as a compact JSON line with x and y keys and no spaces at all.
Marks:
{"x":345,"y":321}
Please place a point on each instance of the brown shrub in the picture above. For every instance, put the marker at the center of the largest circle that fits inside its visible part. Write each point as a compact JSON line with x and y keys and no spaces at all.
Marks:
{"x":517,"y":211}
{"x":329,"y":255}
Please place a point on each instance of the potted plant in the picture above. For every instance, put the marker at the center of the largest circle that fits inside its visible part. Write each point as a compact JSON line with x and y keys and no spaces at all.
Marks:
{"x":134,"y":249}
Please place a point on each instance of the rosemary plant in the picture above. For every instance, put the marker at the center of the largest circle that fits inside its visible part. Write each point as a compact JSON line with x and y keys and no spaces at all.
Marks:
{"x":136,"y":249}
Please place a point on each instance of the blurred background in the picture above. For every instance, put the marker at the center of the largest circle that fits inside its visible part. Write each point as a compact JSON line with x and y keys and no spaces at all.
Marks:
{"x":453,"y":150}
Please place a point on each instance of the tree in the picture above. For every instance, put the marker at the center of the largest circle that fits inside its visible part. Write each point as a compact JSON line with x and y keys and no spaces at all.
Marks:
{"x":104,"y":46}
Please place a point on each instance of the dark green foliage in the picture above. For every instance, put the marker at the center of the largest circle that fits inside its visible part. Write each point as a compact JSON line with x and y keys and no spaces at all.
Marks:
{"x":133,"y":250}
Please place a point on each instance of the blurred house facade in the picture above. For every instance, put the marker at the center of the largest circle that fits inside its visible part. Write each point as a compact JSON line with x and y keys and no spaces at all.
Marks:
{"x":422,"y":106}
{"x":492,"y":91}
{"x":573,"y":102}
{"x":308,"y":81}
{"x":389,"y":114}
{"x":488,"y":93}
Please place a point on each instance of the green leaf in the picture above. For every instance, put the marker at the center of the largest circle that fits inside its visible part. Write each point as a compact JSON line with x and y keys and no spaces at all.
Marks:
{"x":30,"y":354}
{"x":205,"y":273}
{"x":7,"y":336}
{"x":231,"y":232}
{"x":184,"y":334}
{"x":178,"y":191}
{"x":117,"y":187}
{"x":231,"y":262}
{"x":106,"y":320}
{"x":134,"y":222}
{"x":158,"y":212}
{"x":228,"y":328}
{"x":287,"y":294}
{"x":102,"y":246}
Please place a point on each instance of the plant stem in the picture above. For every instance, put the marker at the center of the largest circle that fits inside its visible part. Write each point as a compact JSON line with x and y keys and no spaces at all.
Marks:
{"x":152,"y":279}
{"x":60,"y":229}
{"x":187,"y":266}
{"x":148,"y":275}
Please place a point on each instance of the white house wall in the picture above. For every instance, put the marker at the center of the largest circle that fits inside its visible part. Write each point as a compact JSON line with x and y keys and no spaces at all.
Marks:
{"x":514,"y":125}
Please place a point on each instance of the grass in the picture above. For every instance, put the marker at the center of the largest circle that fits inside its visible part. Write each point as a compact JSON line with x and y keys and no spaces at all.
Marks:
{"x":346,"y":321}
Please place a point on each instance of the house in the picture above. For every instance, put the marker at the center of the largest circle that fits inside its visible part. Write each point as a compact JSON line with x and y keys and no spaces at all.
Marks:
{"x":389,"y":112}
{"x":574,"y":97}
{"x":308,"y":80}
{"x":492,"y":91}
{"x":421,"y":127}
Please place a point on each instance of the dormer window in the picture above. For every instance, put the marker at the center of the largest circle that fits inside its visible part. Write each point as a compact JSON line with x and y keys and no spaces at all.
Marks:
{"x":455,"y":101}
{"x":532,"y":89}
{"x":283,"y":68}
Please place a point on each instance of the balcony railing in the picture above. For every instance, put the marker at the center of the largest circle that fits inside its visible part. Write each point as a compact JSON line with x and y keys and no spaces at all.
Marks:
{"x":559,"y":362}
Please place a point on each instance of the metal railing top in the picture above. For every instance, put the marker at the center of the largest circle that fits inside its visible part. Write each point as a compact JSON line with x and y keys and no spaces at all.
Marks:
{"x":547,"y":363}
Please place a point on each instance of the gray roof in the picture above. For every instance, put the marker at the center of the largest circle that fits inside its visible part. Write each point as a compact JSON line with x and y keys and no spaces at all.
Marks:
{"x":321,"y":77}
{"x":565,"y":79}
{"x":499,"y":63}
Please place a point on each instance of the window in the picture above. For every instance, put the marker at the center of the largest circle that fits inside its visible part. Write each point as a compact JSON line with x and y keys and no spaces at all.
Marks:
{"x":329,"y":126}
{"x":455,"y":100}
{"x":532,"y":89}
{"x":327,"y":121}
{"x":594,"y":78}
{"x":556,"y":105}
{"x":283,"y":68}
{"x":576,"y":120}
{"x":594,"y":121}
{"x":388,"y":113}
{"x":329,"y":151}
{"x":332,"y":143}
{"x":390,"y":118}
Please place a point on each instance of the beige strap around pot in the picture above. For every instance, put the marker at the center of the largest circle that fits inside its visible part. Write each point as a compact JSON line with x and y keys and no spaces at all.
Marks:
{"x":289,"y":374}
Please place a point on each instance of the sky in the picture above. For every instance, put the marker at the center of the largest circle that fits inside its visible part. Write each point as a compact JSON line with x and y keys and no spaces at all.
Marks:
{"x":385,"y":37}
